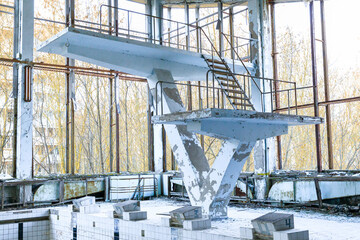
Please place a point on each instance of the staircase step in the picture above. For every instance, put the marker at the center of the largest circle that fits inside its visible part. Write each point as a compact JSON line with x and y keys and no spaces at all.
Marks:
{"x":243,"y":104}
{"x":238,"y":98}
{"x":234,"y":91}
{"x":214,"y":61}
{"x":223,"y":73}
{"x":218,"y":67}
{"x":226,"y":79}
{"x":228,"y":85}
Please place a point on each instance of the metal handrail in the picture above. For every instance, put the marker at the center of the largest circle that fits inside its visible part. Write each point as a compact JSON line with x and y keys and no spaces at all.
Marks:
{"x":187,"y":46}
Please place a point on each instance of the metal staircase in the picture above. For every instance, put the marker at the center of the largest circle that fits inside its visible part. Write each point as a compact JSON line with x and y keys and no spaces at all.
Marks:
{"x":229,"y":84}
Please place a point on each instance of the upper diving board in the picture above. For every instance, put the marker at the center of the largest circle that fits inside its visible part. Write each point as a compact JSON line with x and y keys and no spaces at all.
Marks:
{"x":130,"y":56}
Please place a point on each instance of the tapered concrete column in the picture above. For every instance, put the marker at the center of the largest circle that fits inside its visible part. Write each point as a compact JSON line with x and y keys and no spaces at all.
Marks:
{"x":260,"y":56}
{"x":207,"y":187}
{"x":24,"y":136}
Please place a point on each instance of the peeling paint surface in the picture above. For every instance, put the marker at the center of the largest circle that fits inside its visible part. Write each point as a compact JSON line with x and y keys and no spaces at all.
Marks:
{"x":207,"y":187}
{"x":305,"y":191}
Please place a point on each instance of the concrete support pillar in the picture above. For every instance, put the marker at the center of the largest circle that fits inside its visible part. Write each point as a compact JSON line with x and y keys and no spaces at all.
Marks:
{"x":260,"y":56}
{"x":148,"y":20}
{"x":24,"y":154}
{"x":159,"y":134}
{"x":207,"y":187}
{"x":157,"y":11}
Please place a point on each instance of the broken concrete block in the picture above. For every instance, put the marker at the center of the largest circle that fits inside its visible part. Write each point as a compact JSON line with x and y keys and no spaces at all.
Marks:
{"x":247,"y":233}
{"x":271,"y":222}
{"x":126,"y":206}
{"x":135,"y":215}
{"x":197,"y":224}
{"x":178,"y":216}
{"x":292,"y":234}
{"x":84,"y":201}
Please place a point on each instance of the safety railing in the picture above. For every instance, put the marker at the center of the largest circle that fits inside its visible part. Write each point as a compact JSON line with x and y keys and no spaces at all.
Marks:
{"x":192,"y":37}
{"x":240,"y":45}
{"x":160,"y":30}
{"x":209,"y":94}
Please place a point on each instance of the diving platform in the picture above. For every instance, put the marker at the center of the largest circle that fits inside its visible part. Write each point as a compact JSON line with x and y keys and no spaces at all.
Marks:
{"x":134,"y":57}
{"x":240,"y":127}
{"x":235,"y":124}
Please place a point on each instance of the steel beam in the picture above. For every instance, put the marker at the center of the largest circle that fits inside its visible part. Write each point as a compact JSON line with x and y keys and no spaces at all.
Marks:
{"x":315,"y":85}
{"x":220,"y":27}
{"x":111,"y":98}
{"x":15,"y":80}
{"x":117,"y":122}
{"x":326,"y":85}
{"x":150,"y":132}
{"x":275,"y":76}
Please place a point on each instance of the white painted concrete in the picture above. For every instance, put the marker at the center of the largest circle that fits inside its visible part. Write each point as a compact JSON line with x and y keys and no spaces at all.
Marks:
{"x":25,"y":109}
{"x":260,"y":55}
{"x":133,"y":57}
{"x":304,"y":191}
{"x":208,"y":188}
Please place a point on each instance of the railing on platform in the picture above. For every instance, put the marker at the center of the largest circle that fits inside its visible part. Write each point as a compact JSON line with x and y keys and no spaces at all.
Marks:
{"x":210,"y":93}
{"x":192,"y":37}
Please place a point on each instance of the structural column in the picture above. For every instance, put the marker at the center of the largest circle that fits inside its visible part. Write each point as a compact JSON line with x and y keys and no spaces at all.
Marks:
{"x":111,"y":98}
{"x":24,"y":137}
{"x":158,"y":129}
{"x":275,"y":76}
{"x":25,"y":84}
{"x":70,"y":98}
{"x":326,"y":85}
{"x":315,"y":85}
{"x":260,"y":56}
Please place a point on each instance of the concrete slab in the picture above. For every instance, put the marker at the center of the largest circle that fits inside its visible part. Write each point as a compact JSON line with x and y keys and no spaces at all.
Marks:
{"x":271,"y":222}
{"x":197,"y":224}
{"x":235,"y":124}
{"x":292,"y":234}
{"x":135,"y":215}
{"x":128,"y":55}
{"x":247,"y":233}
{"x":230,"y":115}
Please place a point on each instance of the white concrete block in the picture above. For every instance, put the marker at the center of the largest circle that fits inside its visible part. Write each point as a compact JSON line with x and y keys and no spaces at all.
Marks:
{"x":292,"y":234}
{"x":247,"y":232}
{"x":90,"y":209}
{"x":135,"y":215}
{"x":197,"y":224}
{"x":165,"y":221}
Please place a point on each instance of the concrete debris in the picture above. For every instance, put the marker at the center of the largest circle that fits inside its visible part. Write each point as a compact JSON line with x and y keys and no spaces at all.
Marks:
{"x":277,"y":226}
{"x":271,"y":222}
{"x":129,"y":210}
{"x":84,"y":201}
